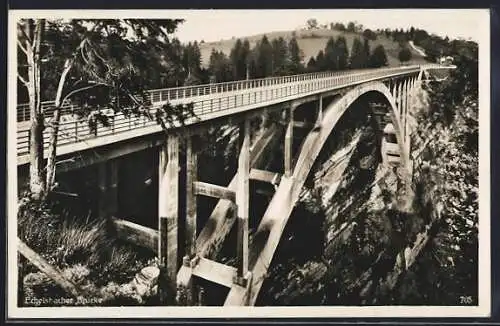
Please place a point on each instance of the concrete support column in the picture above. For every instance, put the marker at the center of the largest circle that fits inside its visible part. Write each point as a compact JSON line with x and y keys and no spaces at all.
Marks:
{"x":400,"y":99}
{"x":404,"y":107}
{"x":393,"y":90}
{"x":168,"y":212}
{"x":186,"y":293}
{"x":113,"y":187}
{"x":107,"y":180}
{"x":396,"y":94}
{"x":242,"y":202}
{"x":191,"y":176}
{"x":102,"y":183}
{"x":319,"y":118}
{"x":288,"y":145}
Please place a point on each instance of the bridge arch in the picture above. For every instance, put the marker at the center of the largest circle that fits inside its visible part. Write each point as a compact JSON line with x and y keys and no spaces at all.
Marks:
{"x":270,"y":229}
{"x":335,"y":110}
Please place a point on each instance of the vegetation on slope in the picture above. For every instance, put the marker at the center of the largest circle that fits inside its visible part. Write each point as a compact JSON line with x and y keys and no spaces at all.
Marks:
{"x":310,"y":43}
{"x":85,"y":251}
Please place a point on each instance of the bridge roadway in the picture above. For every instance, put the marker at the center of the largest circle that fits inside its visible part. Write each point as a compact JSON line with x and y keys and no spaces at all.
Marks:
{"x":210,"y":102}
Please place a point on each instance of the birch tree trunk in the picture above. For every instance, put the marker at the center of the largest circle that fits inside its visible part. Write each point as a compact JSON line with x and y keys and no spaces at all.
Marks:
{"x":54,"y":127}
{"x":37,"y":171}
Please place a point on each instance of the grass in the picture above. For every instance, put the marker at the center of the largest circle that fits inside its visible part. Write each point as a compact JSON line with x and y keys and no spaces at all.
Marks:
{"x":83,"y":248}
{"x":311,"y":42}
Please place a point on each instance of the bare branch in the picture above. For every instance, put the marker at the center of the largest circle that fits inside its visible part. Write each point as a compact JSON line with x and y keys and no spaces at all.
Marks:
{"x":24,"y":81}
{"x":132,"y":97}
{"x":22,"y":47}
{"x":22,"y":28}
{"x":81,"y":90}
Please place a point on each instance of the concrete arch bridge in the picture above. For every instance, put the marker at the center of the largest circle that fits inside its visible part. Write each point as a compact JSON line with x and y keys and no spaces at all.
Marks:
{"x":184,"y":247}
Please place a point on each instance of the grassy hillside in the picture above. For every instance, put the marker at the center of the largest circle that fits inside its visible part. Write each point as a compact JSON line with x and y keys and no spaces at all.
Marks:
{"x":311,"y":42}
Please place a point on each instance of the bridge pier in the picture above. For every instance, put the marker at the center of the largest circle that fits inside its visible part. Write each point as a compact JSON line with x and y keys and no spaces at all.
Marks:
{"x":242,"y":205}
{"x":168,"y":213}
{"x":404,"y":107}
{"x":191,"y":203}
{"x":319,"y":118}
{"x":186,"y":293}
{"x":400,"y":99}
{"x":107,"y":179}
{"x":288,"y":164}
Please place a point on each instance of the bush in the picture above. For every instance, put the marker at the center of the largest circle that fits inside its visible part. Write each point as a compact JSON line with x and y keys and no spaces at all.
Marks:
{"x":81,"y":247}
{"x":404,"y":55}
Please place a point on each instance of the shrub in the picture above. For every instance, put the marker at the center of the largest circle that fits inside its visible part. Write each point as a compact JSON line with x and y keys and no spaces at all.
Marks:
{"x":81,"y":247}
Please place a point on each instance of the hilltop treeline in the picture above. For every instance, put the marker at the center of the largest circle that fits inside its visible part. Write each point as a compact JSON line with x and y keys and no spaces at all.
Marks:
{"x":433,"y":45}
{"x":280,"y":57}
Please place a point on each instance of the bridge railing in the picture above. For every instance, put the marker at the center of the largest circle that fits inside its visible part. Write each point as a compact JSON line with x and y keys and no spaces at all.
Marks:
{"x":184,"y":92}
{"x":169,"y":94}
{"x":78,"y":130}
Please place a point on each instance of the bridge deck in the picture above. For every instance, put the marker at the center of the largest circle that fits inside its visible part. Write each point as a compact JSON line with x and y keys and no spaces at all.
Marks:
{"x":210,"y":102}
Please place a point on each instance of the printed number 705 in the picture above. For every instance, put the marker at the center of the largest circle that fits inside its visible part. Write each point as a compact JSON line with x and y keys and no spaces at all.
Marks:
{"x":465,"y":299}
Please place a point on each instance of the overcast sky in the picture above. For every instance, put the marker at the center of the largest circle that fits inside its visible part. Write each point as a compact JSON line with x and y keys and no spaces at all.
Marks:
{"x":214,"y":25}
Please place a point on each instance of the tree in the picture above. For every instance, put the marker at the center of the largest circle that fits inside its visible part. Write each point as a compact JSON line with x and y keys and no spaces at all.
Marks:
{"x":239,"y":58}
{"x":253,"y":69}
{"x":351,"y":27}
{"x":419,"y":36}
{"x":367,"y":52}
{"x":412,"y":33}
{"x":321,"y":64}
{"x":378,"y":58}
{"x":96,"y":64}
{"x":342,"y":53}
{"x":404,"y":55}
{"x":312,"y":23}
{"x":338,"y":26}
{"x":235,"y":58}
{"x":311,"y":65}
{"x":296,"y":56}
{"x":246,"y":54}
{"x":358,"y":59}
{"x":280,"y":57}
{"x":220,"y":66}
{"x":264,"y":62}
{"x":191,"y":59}
{"x":369,"y":34}
{"x":331,"y":55}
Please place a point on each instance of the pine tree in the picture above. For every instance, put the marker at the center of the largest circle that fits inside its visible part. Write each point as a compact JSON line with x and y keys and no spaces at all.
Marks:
{"x":239,"y":58}
{"x":378,"y":58}
{"x":330,"y":61}
{"x":220,"y":67}
{"x":235,"y":58}
{"x":358,"y":57}
{"x":321,"y":64}
{"x":311,"y":65}
{"x":245,"y":55}
{"x":295,"y":57}
{"x":342,"y":53}
{"x":264,"y":58}
{"x":367,"y":52}
{"x":404,"y":55}
{"x":191,"y":60}
{"x":280,"y":57}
